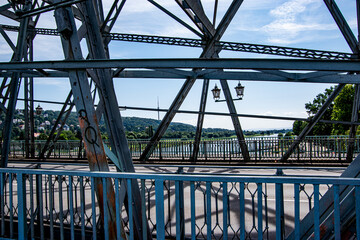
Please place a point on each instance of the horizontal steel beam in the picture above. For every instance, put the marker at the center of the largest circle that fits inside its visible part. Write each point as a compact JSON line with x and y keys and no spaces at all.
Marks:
{"x":227,"y":75}
{"x":234,"y":63}
{"x":229,"y":46}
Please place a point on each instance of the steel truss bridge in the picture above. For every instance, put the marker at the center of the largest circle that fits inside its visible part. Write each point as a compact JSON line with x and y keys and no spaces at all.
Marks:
{"x":89,"y":26}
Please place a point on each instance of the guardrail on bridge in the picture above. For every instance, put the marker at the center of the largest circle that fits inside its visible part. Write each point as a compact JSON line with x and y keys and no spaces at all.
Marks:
{"x":42,"y":203}
{"x":329,"y":149}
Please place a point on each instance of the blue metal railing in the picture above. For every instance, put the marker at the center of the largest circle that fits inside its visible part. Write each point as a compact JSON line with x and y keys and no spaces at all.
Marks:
{"x":62,"y":205}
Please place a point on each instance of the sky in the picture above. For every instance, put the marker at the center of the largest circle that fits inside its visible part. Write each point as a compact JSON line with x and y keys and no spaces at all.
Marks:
{"x":292,"y":23}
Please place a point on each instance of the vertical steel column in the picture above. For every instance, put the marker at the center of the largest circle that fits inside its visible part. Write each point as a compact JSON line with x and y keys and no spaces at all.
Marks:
{"x":355,"y":110}
{"x":312,"y":123}
{"x":14,"y":87}
{"x":111,"y":112}
{"x":29,"y":109}
{"x":87,"y":118}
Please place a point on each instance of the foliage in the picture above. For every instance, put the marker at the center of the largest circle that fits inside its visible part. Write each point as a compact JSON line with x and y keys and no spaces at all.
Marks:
{"x":298,"y":126}
{"x":342,"y":109}
{"x":339,"y":110}
{"x":313,"y":107}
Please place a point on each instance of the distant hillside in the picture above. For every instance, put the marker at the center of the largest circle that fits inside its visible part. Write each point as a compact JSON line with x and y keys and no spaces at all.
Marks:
{"x":138,"y":128}
{"x":137,"y":124}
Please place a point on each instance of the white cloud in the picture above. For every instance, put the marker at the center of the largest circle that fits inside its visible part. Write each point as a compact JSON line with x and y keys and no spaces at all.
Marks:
{"x":63,"y":83}
{"x":294,"y":20}
{"x":5,"y":49}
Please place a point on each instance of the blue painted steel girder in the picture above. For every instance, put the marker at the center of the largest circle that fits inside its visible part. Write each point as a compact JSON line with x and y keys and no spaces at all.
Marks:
{"x":234,"y":63}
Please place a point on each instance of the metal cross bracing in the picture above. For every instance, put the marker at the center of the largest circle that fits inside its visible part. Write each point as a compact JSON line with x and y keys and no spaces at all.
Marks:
{"x":95,"y":26}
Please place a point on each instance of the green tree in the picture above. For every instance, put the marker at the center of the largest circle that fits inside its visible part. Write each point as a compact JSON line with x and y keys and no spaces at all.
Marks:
{"x":42,"y":136}
{"x":312,"y":108}
{"x":342,"y":109}
{"x":339,"y":110}
{"x":298,"y":126}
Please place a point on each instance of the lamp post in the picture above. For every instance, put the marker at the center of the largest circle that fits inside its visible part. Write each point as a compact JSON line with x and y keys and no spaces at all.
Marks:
{"x":38,"y":110}
{"x":239,"y":93}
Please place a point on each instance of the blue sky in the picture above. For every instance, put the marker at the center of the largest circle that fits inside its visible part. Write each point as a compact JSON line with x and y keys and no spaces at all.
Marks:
{"x":294,"y":23}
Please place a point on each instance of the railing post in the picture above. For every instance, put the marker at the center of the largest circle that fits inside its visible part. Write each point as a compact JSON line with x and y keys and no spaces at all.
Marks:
{"x":339,"y":149}
{"x":224,"y":153}
{"x":255,"y":149}
{"x":280,"y":220}
{"x":310,"y":150}
{"x":159,"y":199}
{"x":205,"y":150}
{"x":22,"y":220}
{"x":180,"y":217}
{"x":40,"y":204}
{"x":160,"y":154}
{"x":208,"y":211}
{"x":259,"y":212}
{"x":229,"y":149}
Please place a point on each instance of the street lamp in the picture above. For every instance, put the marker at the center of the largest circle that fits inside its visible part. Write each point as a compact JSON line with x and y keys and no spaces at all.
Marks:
{"x":216,"y":92}
{"x":239,"y":93}
{"x":38,"y":110}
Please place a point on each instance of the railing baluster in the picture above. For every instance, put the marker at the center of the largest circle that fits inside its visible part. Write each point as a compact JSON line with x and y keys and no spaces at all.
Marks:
{"x":117,"y":208}
{"x":225,"y":211}
{"x":32,"y":217}
{"x":143,"y":210}
{"x":278,"y":198}
{"x":11,"y":205}
{"x":297,"y":211}
{"x":159,"y":199}
{"x":105,"y":212}
{"x":316,"y":212}
{"x":177,"y":206}
{"x":61,"y":207}
{"x":82,"y":207}
{"x":40,"y":204}
{"x":208,"y":210}
{"x":337,"y":213}
{"x":71,"y":206}
{"x":51,"y":207}
{"x":242,"y":210}
{"x":193,"y":215}
{"x":130,"y":206}
{"x":22,"y":219}
{"x":260,"y":215}
{"x":93,"y":208}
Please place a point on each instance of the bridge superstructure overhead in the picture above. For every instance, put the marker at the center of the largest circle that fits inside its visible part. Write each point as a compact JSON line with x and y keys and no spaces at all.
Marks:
{"x":96,"y":28}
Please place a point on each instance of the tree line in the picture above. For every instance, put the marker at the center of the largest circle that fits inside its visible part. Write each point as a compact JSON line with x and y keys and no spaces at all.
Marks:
{"x":339,"y":110}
